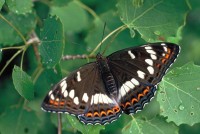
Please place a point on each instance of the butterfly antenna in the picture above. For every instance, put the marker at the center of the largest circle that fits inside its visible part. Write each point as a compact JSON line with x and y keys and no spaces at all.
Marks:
{"x":104,"y":27}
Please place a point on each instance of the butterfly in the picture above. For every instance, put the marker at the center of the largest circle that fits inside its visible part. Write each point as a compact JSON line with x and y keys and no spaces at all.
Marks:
{"x":123,"y":82}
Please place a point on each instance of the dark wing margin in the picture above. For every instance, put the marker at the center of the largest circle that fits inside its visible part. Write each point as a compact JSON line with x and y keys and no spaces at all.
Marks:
{"x":83,"y":94}
{"x":137,"y":72}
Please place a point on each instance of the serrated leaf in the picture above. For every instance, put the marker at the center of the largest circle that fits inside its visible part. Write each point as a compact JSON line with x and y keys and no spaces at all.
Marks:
{"x":73,"y":17}
{"x":179,"y":95}
{"x":154,"y":19}
{"x":20,"y":6}
{"x":52,"y":42}
{"x":157,"y":125}
{"x":23,"y":83}
{"x":123,"y":40}
{"x":24,"y":23}
{"x":1,"y":3}
{"x":18,"y":121}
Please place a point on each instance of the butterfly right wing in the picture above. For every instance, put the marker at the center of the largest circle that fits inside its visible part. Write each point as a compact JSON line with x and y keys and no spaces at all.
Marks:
{"x":83,"y":94}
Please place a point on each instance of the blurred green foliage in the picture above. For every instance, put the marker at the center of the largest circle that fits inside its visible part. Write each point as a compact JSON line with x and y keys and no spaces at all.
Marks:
{"x":36,"y":34}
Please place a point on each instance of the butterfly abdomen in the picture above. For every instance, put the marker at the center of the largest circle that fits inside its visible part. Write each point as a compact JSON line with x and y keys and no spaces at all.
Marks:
{"x":107,"y":77}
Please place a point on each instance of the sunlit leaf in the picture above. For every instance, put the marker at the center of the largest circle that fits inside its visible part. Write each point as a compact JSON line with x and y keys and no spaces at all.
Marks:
{"x":179,"y":95}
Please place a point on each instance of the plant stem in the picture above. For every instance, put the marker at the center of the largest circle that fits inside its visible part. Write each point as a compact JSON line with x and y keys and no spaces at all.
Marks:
{"x":9,"y":61}
{"x":110,"y":34}
{"x":18,"y":32}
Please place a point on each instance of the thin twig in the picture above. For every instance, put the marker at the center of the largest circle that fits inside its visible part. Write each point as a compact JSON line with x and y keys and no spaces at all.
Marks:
{"x":118,"y":29}
{"x":59,"y":124}
{"x":73,"y":57}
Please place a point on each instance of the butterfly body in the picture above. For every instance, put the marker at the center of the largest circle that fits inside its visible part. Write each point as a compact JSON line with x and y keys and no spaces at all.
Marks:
{"x":98,"y":92}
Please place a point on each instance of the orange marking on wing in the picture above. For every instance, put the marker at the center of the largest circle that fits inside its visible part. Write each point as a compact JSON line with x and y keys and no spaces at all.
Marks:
{"x":158,"y":65}
{"x":140,"y":96}
{"x":127,"y":103}
{"x":163,"y":60}
{"x":109,"y":112}
{"x":51,"y":101}
{"x":146,"y":90}
{"x":167,"y":56}
{"x":96,"y":114}
{"x":62,"y":103}
{"x":89,"y":114}
{"x":168,"y":50}
{"x":103,"y":113}
{"x":116,"y":109}
{"x":134,"y":100}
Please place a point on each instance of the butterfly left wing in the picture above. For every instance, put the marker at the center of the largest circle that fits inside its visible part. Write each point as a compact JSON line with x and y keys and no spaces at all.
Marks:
{"x":83,"y":94}
{"x":137,"y":72}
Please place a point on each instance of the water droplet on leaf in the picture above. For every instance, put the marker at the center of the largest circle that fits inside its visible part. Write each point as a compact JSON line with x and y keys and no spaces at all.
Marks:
{"x":181,"y":107}
{"x":198,"y":88}
{"x":157,"y":32}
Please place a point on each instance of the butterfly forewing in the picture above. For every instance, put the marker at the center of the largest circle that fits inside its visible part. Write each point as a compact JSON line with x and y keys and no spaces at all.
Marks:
{"x":98,"y":92}
{"x":137,"y":71}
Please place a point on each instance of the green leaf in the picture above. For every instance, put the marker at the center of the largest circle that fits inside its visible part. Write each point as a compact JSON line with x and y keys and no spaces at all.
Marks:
{"x":52,"y":42}
{"x":1,"y":3}
{"x":23,"y":83}
{"x":179,"y":95}
{"x":24,"y":24}
{"x":18,"y":121}
{"x":85,"y":129}
{"x":123,"y":40}
{"x":73,"y":17}
{"x":20,"y":6}
{"x":157,"y":125}
{"x":69,"y":121}
{"x":60,"y":2}
{"x":155,"y":19}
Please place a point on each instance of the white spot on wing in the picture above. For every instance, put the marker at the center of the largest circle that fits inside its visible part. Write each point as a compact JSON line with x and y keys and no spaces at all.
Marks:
{"x":96,"y":98}
{"x":163,"y":54}
{"x":65,"y":93}
{"x":163,"y":44}
{"x":135,"y":82}
{"x":52,"y":97}
{"x":57,"y":99}
{"x":85,"y":97}
{"x":150,"y":69}
{"x":149,"y":61}
{"x":76,"y":101}
{"x":78,"y":76}
{"x":165,"y":48}
{"x":150,"y":51}
{"x":129,"y":84}
{"x":50,"y":92}
{"x":92,"y":100}
{"x":148,"y":47}
{"x":100,"y":98}
{"x":153,"y":56}
{"x":122,"y":91}
{"x":131,"y":54}
{"x":141,"y":74}
{"x":104,"y":98}
{"x":71,"y":94}
{"x":63,"y":83}
{"x":63,"y":86}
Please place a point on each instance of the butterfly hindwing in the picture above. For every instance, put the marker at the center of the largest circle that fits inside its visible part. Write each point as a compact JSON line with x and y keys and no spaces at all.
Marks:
{"x":137,"y":72}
